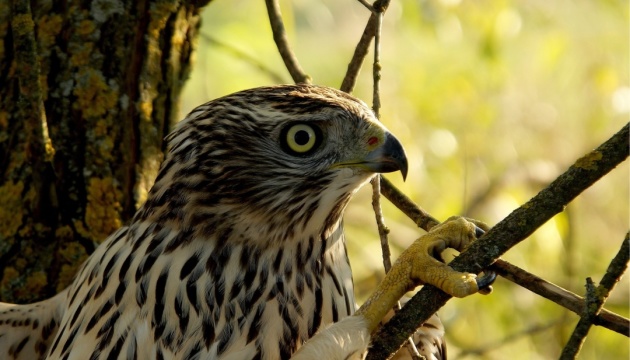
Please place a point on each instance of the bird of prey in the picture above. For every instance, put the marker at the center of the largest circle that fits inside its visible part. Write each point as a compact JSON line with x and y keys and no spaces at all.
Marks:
{"x":239,"y":252}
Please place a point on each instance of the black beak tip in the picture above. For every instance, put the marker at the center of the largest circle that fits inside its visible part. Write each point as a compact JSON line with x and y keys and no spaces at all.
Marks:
{"x":403,"y":169}
{"x":397,"y":154}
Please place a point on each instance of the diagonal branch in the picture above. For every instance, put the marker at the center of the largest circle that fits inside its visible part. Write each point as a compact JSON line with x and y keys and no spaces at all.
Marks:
{"x":510,"y":272}
{"x":510,"y":231}
{"x":280,"y":37}
{"x":360,"y":52}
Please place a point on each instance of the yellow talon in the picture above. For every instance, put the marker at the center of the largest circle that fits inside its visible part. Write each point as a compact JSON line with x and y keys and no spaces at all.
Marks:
{"x":417,"y":266}
{"x":456,"y":233}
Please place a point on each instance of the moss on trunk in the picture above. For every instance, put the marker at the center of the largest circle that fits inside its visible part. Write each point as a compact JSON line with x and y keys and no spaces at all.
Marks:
{"x":89,"y":89}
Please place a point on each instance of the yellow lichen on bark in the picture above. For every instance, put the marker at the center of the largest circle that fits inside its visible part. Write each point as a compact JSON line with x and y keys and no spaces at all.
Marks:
{"x":100,"y":128}
{"x":11,"y":212}
{"x":160,"y":13}
{"x":85,"y":27}
{"x":22,"y":24}
{"x":82,"y":56}
{"x":589,"y":161}
{"x":94,"y":96}
{"x":35,"y":282}
{"x":10,"y":275}
{"x":146,"y":106}
{"x":102,"y":214}
{"x":48,"y":27}
{"x":72,"y":254}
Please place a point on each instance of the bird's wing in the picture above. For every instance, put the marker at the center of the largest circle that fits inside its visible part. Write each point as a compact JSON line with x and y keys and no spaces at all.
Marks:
{"x":26,"y":331}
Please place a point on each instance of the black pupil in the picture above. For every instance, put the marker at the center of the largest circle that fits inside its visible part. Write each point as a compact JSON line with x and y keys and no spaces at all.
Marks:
{"x":302,"y":137}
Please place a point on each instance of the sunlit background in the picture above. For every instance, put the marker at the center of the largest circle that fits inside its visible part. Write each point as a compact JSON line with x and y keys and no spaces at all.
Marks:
{"x":492,"y":100}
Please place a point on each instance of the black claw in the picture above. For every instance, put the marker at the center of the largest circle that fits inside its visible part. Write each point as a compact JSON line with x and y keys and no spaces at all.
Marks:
{"x":479,"y":231}
{"x":486,"y":279}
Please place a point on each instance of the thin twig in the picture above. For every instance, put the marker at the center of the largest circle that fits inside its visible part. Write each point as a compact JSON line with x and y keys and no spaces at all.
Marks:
{"x":572,"y":348}
{"x":507,"y":233}
{"x":595,"y":300}
{"x":383,"y":231}
{"x":376,"y":182}
{"x":560,"y":296}
{"x":360,"y":52}
{"x":367,"y":5}
{"x":277,"y":78}
{"x":376,"y":67}
{"x":422,"y":218}
{"x":280,"y":37}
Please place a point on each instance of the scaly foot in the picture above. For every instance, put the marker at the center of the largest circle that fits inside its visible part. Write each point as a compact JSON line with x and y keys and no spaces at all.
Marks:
{"x":349,"y":338}
{"x":418,"y":265}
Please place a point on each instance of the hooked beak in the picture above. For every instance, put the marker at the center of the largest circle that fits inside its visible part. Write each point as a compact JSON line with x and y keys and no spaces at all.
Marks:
{"x":388,"y":157}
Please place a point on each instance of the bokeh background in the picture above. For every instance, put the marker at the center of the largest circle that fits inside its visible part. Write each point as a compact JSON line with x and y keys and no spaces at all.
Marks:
{"x":492,"y":99}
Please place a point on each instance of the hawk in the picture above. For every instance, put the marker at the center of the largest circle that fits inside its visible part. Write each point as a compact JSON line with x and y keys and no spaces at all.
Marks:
{"x":238,"y":251}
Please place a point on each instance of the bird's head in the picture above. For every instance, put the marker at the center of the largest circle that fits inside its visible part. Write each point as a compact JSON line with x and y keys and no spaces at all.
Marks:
{"x":274,"y":162}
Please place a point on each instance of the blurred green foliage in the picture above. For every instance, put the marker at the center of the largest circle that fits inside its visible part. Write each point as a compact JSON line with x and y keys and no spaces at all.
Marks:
{"x":493,"y":99}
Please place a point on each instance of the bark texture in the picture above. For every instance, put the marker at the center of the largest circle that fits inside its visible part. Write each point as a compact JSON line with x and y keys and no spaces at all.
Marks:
{"x":88,"y":89}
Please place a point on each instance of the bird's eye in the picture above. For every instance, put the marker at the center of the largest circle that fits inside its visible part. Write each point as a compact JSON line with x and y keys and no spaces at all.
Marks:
{"x":301,"y":139}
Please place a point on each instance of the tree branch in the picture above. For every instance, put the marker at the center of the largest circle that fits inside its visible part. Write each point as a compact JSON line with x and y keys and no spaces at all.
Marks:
{"x":595,"y":298}
{"x":376,"y":67}
{"x":509,"y":271}
{"x":510,"y":231}
{"x":423,"y":219}
{"x":367,"y":5}
{"x":560,"y":296}
{"x":383,"y":231}
{"x":280,"y":37}
{"x":360,"y":52}
{"x":376,"y":183}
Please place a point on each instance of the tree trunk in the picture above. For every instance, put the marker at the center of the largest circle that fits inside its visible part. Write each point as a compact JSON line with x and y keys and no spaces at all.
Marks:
{"x":88,"y":89}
